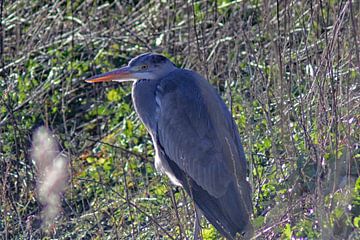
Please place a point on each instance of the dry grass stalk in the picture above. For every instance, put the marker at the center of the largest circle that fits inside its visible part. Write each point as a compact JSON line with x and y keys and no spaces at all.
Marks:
{"x":51,"y":173}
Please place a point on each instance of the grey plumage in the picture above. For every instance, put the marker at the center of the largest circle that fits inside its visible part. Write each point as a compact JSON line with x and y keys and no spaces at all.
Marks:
{"x":196,"y":140}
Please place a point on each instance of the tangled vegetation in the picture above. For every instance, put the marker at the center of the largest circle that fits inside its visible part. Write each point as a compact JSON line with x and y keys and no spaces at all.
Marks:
{"x":289,"y":71}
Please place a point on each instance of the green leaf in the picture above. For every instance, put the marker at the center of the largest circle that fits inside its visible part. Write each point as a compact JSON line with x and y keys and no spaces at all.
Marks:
{"x":357,"y":222}
{"x":287,"y":231}
{"x":267,"y":143}
{"x":160,"y":190}
{"x":209,"y":233}
{"x":113,"y":95}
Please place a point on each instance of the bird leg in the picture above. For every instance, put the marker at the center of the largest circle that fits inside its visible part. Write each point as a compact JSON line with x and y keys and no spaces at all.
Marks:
{"x":197,"y":226}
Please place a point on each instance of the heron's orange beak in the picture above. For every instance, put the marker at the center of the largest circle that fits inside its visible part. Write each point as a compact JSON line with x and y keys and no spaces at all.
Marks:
{"x":120,"y":75}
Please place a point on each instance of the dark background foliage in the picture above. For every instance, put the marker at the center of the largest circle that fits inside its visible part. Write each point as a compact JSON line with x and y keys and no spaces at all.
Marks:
{"x":289,"y":71}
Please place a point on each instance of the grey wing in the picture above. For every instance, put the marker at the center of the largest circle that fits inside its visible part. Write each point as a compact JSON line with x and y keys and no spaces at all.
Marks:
{"x":196,"y":131}
{"x":199,"y":141}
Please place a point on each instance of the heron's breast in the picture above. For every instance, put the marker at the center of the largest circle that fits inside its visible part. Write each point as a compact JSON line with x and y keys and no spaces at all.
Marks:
{"x":162,"y":166}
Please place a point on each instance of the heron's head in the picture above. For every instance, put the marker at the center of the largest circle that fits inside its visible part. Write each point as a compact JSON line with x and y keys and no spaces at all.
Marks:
{"x":145,"y":66}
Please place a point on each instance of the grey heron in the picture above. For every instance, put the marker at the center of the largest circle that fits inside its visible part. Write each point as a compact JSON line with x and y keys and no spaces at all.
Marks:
{"x":197,"y":143}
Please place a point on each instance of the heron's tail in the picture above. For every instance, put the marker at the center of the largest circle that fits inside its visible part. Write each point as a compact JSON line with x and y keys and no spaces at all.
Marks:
{"x":230,"y":214}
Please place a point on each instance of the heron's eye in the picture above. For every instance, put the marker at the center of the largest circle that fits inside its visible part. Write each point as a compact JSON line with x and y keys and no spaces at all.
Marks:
{"x":143,"y":67}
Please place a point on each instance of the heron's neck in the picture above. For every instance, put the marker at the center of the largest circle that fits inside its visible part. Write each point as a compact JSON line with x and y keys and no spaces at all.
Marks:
{"x":144,"y":98}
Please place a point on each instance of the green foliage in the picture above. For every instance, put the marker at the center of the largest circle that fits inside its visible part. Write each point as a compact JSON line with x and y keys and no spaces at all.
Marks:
{"x":306,"y":228}
{"x":289,"y":73}
{"x":209,"y":233}
{"x":287,"y":232}
{"x":355,"y":208}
